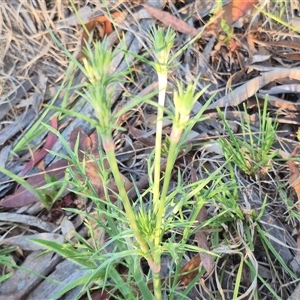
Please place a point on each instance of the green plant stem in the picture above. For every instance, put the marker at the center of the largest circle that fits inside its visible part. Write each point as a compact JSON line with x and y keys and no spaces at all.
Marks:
{"x":108,"y":146}
{"x":174,"y":139}
{"x":157,"y":285}
{"x":162,"y":81}
{"x":157,"y":200}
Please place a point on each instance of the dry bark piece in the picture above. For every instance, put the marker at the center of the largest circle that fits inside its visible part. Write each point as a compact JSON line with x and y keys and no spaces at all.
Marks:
{"x":65,"y":272}
{"x":27,"y":220}
{"x":23,"y":282}
{"x":296,"y":294}
{"x":24,"y":243}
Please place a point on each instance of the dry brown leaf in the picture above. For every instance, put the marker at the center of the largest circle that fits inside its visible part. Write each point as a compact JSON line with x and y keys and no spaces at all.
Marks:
{"x":141,"y":136}
{"x":107,"y":29}
{"x":201,"y":237}
{"x":50,"y":141}
{"x":284,"y":44}
{"x":192,"y":267}
{"x":251,"y":87}
{"x":22,"y":196}
{"x":93,"y":23}
{"x":88,"y":151}
{"x":190,"y":270}
{"x":289,"y":119}
{"x":98,"y":295}
{"x":170,"y":20}
{"x":283,"y":105}
{"x":236,"y":9}
{"x":294,"y":181}
{"x":291,"y":56}
{"x":291,"y":88}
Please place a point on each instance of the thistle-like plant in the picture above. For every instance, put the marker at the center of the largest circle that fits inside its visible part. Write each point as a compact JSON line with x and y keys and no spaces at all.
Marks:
{"x":97,"y":70}
{"x":136,"y":232}
{"x":184,"y":99}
